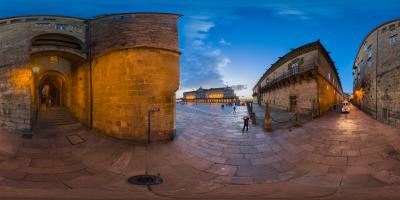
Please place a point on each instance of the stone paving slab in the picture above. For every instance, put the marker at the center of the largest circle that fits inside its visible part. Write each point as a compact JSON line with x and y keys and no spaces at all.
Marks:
{"x":210,"y":158}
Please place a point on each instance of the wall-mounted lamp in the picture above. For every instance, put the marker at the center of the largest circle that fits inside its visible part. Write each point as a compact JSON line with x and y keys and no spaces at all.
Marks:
{"x":36,"y":69}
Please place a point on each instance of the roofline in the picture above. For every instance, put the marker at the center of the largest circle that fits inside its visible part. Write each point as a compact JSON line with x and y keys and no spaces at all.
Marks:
{"x":287,"y":55}
{"x":24,"y":16}
{"x":92,"y":18}
{"x":131,"y":13}
{"x":209,"y":89}
{"x":369,"y":34}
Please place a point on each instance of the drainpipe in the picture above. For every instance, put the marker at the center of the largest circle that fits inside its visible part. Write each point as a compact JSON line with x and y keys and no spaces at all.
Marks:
{"x":90,"y":75}
{"x":376,"y":75}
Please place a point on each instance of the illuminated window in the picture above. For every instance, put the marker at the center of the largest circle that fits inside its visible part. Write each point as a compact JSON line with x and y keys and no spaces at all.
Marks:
{"x":393,"y":39}
{"x":54,"y":60}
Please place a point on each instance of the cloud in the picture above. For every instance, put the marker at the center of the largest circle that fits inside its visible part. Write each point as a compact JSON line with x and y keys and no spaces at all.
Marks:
{"x":223,"y":42}
{"x":201,"y":59}
{"x":302,"y":11}
{"x":223,"y":62}
{"x":239,"y":87}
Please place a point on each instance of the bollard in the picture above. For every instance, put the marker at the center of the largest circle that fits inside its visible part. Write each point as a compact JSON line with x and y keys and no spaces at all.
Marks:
{"x":267,"y":119}
{"x":297,"y":119}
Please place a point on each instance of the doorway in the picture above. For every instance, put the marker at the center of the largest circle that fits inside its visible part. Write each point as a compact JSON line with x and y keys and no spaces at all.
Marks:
{"x":51,"y":90}
{"x":293,"y":103}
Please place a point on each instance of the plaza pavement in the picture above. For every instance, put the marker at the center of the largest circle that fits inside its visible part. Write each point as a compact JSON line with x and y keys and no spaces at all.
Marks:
{"x":337,"y":156}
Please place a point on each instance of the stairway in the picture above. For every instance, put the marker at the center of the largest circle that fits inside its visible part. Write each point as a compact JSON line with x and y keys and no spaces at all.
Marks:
{"x":55,"y":120}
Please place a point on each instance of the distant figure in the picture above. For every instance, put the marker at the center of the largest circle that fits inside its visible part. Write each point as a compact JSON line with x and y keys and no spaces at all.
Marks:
{"x":234,"y":109}
{"x":45,"y":94}
{"x":222,"y":106}
{"x":246,"y":123}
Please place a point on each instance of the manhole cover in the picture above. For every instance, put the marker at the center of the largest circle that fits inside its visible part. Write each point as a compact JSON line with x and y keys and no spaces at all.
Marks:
{"x":145,"y":180}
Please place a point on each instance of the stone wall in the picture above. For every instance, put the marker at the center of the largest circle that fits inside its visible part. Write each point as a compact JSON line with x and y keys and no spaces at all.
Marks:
{"x":126,"y":84}
{"x":15,"y":98}
{"x":304,"y":90}
{"x":136,"y":70}
{"x":327,"y":95}
{"x":17,"y":84}
{"x":80,"y":107}
{"x":376,"y":76}
{"x":316,"y":89}
{"x":134,"y":59}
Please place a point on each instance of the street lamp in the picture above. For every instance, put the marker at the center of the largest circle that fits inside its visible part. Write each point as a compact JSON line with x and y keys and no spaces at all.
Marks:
{"x":36,"y":69}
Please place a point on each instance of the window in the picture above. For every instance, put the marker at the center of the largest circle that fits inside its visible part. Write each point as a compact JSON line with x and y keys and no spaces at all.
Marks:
{"x":369,"y":63}
{"x":295,"y":68}
{"x":369,"y":52}
{"x":31,"y":19}
{"x":61,"y":26}
{"x":393,"y":39}
{"x":3,"y":23}
{"x":122,"y":17}
{"x":329,"y":76}
{"x":383,"y":29}
{"x":392,"y":27}
{"x":16,"y":21}
{"x":54,"y":60}
{"x":42,"y":24}
{"x":365,"y":46}
{"x":49,"y":19}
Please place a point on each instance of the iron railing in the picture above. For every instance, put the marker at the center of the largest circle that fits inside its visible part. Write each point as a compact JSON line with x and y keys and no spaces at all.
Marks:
{"x":290,"y":73}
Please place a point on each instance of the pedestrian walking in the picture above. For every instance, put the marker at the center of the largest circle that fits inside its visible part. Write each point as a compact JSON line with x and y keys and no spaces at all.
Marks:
{"x":246,"y":123}
{"x":234,"y":109}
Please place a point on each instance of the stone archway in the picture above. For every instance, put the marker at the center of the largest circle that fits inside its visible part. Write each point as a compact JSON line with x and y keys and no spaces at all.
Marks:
{"x":51,"y":89}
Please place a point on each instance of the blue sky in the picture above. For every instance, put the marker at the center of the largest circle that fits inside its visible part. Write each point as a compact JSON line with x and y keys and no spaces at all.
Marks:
{"x":234,"y":41}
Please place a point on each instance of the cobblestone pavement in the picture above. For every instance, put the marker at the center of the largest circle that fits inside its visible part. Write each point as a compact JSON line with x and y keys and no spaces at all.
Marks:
{"x":338,"y":156}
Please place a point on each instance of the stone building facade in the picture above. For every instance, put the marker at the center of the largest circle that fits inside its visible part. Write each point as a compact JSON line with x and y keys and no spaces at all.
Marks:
{"x":304,"y":80}
{"x":376,"y":72}
{"x":212,"y":95}
{"x":108,"y":71}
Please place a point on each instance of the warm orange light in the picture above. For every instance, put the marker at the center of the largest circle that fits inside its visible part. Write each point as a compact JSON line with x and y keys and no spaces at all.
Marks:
{"x":215,"y":96}
{"x":359,"y":93}
{"x":21,"y":79}
{"x":190,"y":97}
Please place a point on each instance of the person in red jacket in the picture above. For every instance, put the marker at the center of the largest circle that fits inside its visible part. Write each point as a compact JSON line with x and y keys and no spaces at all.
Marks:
{"x":246,"y":123}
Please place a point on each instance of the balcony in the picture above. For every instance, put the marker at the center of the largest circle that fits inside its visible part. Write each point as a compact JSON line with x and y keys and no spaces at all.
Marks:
{"x":303,"y":71}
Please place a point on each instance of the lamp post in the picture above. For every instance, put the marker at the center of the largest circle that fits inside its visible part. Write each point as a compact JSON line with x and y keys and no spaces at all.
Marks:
{"x":147,"y":179}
